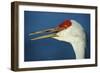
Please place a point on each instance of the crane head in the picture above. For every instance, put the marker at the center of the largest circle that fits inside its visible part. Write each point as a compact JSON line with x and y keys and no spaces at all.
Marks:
{"x":69,"y":31}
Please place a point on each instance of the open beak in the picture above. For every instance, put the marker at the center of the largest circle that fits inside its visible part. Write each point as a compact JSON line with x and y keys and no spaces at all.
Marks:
{"x":53,"y":32}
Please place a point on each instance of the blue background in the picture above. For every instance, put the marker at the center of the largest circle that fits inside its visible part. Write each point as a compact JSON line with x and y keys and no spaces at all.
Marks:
{"x":51,"y":49}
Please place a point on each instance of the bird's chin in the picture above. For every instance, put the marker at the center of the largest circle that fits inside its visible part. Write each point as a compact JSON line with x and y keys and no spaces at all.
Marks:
{"x":57,"y":38}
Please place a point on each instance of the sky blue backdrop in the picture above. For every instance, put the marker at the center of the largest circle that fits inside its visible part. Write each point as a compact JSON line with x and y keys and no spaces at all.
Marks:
{"x":51,"y":49}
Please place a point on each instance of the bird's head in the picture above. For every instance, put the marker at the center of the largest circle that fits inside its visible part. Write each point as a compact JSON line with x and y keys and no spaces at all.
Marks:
{"x":63,"y":26}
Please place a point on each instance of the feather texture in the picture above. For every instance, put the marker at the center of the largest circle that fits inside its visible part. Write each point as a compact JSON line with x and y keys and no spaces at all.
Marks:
{"x":75,"y":35}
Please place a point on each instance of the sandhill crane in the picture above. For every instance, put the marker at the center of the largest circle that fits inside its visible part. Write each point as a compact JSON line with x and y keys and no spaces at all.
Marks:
{"x":69,"y":31}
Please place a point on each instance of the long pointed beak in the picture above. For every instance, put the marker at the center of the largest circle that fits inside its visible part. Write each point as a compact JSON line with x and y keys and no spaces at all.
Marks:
{"x":45,"y":36}
{"x":52,"y":31}
{"x":43,"y":31}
